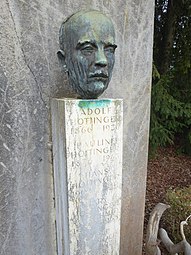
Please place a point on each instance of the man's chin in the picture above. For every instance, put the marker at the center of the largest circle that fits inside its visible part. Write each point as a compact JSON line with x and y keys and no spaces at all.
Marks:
{"x":95,"y":89}
{"x":92,"y":90}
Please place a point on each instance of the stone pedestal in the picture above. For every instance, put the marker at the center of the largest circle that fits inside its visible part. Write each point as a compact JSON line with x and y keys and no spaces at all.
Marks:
{"x":87,"y":155}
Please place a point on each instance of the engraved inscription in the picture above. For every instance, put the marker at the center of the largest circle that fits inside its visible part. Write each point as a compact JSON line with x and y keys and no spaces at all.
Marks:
{"x":94,"y":169}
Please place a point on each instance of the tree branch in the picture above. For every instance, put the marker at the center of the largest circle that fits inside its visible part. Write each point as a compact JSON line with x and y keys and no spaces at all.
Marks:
{"x":168,"y":37}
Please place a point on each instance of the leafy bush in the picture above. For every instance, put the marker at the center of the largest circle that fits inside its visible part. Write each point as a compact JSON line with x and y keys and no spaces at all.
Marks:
{"x":180,"y":202}
{"x":171,"y":86}
{"x":170,"y":117}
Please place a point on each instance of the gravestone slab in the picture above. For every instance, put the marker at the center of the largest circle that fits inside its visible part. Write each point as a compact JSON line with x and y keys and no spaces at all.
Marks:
{"x":87,"y":149}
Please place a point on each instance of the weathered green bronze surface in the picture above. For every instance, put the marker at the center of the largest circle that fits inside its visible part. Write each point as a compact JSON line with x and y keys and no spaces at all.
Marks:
{"x":87,"y":47}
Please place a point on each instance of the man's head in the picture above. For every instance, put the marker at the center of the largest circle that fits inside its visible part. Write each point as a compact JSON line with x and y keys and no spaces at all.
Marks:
{"x":87,"y":42}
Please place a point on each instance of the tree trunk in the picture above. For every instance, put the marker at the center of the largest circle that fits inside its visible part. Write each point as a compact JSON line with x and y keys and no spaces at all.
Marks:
{"x":168,"y":38}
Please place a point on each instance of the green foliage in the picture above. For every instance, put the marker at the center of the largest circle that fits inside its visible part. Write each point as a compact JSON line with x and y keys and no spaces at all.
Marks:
{"x":180,"y":202}
{"x":169,"y":116}
{"x":171,"y":88}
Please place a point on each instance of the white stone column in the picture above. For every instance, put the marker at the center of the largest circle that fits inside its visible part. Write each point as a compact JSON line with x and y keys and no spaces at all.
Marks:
{"x":87,"y":155}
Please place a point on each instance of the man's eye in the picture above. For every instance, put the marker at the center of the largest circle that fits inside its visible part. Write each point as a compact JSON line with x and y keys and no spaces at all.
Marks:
{"x":87,"y":50}
{"x":110,"y":49}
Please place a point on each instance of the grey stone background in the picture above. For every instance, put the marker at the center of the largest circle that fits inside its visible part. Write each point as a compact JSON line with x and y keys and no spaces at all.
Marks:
{"x":29,"y":77}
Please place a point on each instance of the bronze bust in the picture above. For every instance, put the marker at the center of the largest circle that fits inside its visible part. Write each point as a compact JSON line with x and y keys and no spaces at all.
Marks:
{"x":87,"y":47}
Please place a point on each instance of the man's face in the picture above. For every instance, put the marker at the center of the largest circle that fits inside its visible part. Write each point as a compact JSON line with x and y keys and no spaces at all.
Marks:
{"x":90,"y":57}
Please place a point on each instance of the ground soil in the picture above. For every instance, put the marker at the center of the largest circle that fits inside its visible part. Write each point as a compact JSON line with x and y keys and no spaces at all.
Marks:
{"x":167,"y":170}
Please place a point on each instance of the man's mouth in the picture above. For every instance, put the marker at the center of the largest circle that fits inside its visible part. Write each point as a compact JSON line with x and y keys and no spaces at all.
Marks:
{"x":98,"y":76}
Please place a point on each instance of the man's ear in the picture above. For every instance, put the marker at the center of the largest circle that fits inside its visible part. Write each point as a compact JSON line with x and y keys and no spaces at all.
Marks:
{"x":61,"y":56}
{"x":62,"y":59}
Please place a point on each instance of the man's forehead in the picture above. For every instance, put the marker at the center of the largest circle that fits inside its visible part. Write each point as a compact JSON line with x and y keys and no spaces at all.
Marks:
{"x":93,"y":32}
{"x":93,"y":38}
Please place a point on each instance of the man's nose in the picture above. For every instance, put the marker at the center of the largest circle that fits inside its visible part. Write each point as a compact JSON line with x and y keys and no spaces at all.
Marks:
{"x":100,"y":58}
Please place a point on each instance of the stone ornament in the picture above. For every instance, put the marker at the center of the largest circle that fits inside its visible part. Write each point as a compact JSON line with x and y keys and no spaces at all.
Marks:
{"x":87,"y":52}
